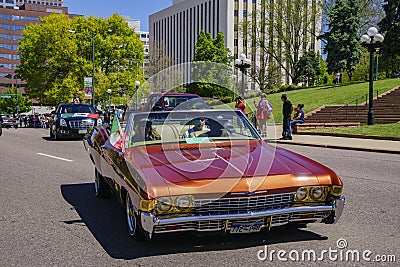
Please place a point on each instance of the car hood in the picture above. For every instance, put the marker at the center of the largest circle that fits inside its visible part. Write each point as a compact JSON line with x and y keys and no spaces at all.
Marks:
{"x":219,"y":168}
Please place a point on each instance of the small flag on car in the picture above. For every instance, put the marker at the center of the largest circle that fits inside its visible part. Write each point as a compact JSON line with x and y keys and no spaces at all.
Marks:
{"x":116,"y":134}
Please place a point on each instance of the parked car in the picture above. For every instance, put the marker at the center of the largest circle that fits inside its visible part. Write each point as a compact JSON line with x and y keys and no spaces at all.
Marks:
{"x":170,"y":101}
{"x":223,"y":178}
{"x":8,"y":121}
{"x":73,"y":120}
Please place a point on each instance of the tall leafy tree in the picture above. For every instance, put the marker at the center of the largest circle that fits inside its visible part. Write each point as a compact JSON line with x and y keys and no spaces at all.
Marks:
{"x":212,"y":50}
{"x":283,"y":31}
{"x":390,"y":26}
{"x":343,"y":40}
{"x":308,"y":68}
{"x":54,"y":61}
{"x":9,"y":105}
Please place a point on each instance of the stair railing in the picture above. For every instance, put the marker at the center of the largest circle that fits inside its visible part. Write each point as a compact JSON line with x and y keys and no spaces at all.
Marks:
{"x":365,"y":96}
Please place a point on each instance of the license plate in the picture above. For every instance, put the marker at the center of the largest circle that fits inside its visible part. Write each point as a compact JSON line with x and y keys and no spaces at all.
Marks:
{"x":245,"y":228}
{"x":82,"y":131}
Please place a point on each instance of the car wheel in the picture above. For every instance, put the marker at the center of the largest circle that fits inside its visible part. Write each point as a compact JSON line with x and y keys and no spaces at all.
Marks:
{"x":1,"y":131}
{"x":16,"y":126}
{"x":133,"y":225}
{"x":51,"y":134}
{"x":100,"y":186}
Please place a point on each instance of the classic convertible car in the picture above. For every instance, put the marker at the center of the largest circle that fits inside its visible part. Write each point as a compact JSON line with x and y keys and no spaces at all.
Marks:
{"x":220,"y":176}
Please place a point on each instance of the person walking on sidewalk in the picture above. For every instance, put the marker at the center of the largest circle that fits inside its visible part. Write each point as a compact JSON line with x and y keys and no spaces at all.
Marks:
{"x":287,"y":113}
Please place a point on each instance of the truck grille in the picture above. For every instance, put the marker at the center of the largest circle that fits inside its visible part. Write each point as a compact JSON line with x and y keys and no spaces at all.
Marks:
{"x":242,"y":205}
{"x":86,"y":124}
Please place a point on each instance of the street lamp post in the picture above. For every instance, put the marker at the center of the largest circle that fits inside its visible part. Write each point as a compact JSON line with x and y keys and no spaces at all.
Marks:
{"x":109,"y":93}
{"x":137,"y":84}
{"x":372,"y":40}
{"x":242,"y":63}
{"x":92,"y":39}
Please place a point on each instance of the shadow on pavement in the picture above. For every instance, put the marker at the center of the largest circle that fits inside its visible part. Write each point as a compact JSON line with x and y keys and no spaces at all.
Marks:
{"x":105,"y":219}
{"x":47,"y":138}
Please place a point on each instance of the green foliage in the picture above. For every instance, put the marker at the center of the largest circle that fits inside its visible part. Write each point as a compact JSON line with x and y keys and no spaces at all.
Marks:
{"x":390,"y":130}
{"x":343,"y":40}
{"x":282,"y":30}
{"x":55,"y":61}
{"x":212,"y":80}
{"x":390,"y":25}
{"x":9,"y":105}
{"x":307,"y":68}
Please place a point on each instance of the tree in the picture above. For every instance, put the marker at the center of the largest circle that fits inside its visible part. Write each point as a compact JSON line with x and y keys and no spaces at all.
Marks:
{"x":9,"y":105}
{"x":307,"y":69}
{"x":390,"y":26}
{"x":343,"y":40}
{"x":283,"y":31}
{"x":211,"y":79}
{"x":55,"y":61}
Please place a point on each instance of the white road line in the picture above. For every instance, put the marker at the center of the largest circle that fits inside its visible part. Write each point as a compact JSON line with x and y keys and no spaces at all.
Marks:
{"x":54,"y":157}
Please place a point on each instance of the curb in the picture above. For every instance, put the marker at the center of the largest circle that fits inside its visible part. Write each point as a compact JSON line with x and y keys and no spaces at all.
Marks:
{"x":288,"y":142}
{"x":386,"y":138}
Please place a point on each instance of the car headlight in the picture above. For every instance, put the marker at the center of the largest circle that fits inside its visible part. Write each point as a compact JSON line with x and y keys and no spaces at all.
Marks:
{"x":63,"y":123}
{"x":164,"y":204}
{"x":183,"y":202}
{"x":316,"y":192}
{"x":301,"y":193}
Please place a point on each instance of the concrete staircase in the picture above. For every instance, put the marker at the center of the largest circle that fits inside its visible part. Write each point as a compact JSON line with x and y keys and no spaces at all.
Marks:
{"x":386,"y":110}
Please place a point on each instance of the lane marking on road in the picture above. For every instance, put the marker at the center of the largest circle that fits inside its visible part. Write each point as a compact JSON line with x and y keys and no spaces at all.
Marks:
{"x":54,"y":157}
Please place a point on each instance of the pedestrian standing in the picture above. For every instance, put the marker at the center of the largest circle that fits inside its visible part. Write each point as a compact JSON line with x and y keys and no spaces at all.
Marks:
{"x":287,"y":110}
{"x":241,"y":104}
{"x":263,"y":113}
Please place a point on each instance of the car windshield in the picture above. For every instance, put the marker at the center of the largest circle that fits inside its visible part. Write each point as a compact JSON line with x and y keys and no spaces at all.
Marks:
{"x":169,"y":102}
{"x":65,"y":109}
{"x":188,"y":127}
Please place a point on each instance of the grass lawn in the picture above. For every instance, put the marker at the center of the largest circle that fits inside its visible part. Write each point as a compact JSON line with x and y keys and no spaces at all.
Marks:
{"x":392,"y":130}
{"x":313,"y":98}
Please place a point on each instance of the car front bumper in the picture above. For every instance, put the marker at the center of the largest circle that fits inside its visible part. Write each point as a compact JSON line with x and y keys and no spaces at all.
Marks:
{"x":224,"y":222}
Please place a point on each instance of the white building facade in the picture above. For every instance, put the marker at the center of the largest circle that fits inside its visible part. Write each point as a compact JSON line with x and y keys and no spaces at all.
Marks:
{"x":177,"y":27}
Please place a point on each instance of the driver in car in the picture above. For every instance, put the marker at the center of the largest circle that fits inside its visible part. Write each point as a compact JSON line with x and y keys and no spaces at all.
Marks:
{"x":199,"y":125}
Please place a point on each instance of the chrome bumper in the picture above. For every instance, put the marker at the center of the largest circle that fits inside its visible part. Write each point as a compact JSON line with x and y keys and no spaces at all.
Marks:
{"x":328,"y":214}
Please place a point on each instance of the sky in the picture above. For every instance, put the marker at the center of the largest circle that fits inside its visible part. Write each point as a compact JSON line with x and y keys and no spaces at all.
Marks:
{"x":136,"y":9}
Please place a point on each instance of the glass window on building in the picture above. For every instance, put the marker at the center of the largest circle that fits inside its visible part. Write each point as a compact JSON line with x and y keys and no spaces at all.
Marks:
{"x":5,"y":46}
{"x":17,"y":57}
{"x":18,"y":27}
{"x":6,"y":56}
{"x":5,"y":26}
{"x":5,"y":36}
{"x":3,"y":16}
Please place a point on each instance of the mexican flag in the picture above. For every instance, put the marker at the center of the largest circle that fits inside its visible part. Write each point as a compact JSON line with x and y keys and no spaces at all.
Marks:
{"x":117,"y":135}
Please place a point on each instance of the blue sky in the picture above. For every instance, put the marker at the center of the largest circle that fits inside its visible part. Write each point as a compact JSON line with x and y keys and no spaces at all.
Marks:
{"x":137,"y":9}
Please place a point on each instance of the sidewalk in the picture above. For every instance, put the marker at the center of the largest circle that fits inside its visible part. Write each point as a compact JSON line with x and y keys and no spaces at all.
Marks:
{"x":382,"y":146}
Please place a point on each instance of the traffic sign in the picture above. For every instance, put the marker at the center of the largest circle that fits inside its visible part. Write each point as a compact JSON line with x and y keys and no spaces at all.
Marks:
{"x":5,"y":96}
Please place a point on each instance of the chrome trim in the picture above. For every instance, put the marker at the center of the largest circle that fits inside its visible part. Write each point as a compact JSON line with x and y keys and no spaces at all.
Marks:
{"x":161,"y":221}
{"x":81,"y":124}
{"x":153,"y":224}
{"x":238,"y":205}
{"x":338,"y":207}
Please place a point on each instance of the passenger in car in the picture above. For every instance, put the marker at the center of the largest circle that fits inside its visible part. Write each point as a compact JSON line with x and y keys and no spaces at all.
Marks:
{"x":144,"y":132}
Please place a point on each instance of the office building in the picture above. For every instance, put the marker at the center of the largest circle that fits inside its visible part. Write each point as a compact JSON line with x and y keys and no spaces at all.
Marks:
{"x":12,"y":22}
{"x":176,"y":28}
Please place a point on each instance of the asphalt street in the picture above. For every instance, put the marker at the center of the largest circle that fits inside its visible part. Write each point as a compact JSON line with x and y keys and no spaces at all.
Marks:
{"x":51,"y":217}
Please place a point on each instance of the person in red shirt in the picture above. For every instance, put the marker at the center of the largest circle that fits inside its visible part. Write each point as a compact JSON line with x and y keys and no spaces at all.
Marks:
{"x":241,"y":104}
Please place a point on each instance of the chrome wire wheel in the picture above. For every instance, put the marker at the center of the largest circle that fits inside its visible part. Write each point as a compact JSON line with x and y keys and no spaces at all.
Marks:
{"x":130,"y":216}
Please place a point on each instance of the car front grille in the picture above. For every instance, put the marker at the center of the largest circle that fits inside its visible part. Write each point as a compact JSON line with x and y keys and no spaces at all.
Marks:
{"x":242,"y":204}
{"x":85,"y":124}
